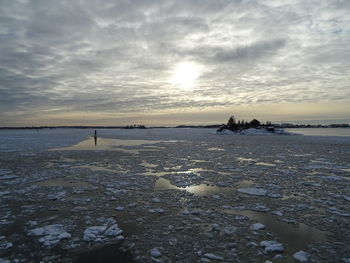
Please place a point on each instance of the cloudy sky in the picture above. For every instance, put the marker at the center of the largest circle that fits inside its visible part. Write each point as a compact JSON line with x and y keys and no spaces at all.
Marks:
{"x":116,"y":62}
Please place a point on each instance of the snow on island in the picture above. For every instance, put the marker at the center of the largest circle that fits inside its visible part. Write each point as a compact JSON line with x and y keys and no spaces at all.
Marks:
{"x":253,"y":127}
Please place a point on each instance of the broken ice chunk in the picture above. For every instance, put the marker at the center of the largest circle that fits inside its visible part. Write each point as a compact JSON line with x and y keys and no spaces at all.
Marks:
{"x":51,"y":234}
{"x":301,"y":256}
{"x":93,"y":233}
{"x":156,"y":211}
{"x":257,"y":226}
{"x":57,"y":196}
{"x":114,"y":230}
{"x":155,"y":252}
{"x":272,"y":246}
{"x":213,"y":256}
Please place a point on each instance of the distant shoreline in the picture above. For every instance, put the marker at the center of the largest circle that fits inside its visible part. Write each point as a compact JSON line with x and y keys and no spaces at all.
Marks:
{"x":214,"y":126}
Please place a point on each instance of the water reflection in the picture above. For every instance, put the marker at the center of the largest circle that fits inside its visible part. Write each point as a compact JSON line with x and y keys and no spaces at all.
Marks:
{"x":242,"y":159}
{"x":294,"y":238}
{"x":265,"y":164}
{"x":199,"y":190}
{"x":244,"y":183}
{"x":108,"y":145}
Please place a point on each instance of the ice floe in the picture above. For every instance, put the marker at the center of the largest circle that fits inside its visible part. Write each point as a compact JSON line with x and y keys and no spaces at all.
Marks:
{"x":99,"y":233}
{"x":272,"y":246}
{"x":257,"y":226}
{"x":301,"y":256}
{"x":50,"y":234}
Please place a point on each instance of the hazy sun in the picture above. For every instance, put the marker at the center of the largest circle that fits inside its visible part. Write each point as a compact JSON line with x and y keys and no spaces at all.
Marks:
{"x":185,"y":74}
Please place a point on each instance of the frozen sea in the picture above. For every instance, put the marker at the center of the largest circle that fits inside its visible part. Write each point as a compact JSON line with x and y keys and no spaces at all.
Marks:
{"x":321,"y":131}
{"x":173,"y":195}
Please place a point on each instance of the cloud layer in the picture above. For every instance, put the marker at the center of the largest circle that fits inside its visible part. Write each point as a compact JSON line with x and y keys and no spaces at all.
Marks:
{"x":118,"y":57}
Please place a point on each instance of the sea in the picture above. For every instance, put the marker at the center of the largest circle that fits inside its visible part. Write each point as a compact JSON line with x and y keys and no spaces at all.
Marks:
{"x":321,"y":131}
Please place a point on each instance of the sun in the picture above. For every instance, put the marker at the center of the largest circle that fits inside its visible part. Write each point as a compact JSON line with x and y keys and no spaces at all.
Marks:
{"x":185,"y":75}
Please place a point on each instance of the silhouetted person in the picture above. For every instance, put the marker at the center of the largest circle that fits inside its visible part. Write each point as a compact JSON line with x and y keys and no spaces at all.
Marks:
{"x":95,"y":137}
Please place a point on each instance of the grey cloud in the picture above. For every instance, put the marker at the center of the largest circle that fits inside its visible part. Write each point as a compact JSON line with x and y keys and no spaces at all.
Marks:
{"x":117,"y":56}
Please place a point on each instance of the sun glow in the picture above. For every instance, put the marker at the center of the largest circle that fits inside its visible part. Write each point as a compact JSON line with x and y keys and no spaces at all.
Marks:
{"x":185,"y":74}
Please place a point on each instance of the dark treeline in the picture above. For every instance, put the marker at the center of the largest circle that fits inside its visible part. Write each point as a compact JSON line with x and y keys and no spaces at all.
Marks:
{"x":134,"y":126}
{"x":240,"y":124}
{"x":234,"y":125}
{"x":290,"y":125}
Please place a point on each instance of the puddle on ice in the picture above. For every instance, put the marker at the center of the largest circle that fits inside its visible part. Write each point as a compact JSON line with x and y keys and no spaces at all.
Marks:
{"x":242,"y":159}
{"x":104,"y":144}
{"x":301,"y":155}
{"x":200,"y":161}
{"x":215,"y":149}
{"x":154,"y":173}
{"x":194,"y":171}
{"x":207,"y":190}
{"x":245,"y":183}
{"x":148,"y":165}
{"x":294,"y":238}
{"x":62,"y":182}
{"x":200,"y":190}
{"x":164,"y":184}
{"x":265,"y":164}
{"x":96,"y":168}
{"x":197,"y":171}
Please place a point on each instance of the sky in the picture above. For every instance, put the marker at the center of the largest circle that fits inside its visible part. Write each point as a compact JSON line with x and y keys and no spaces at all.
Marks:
{"x":152,"y":62}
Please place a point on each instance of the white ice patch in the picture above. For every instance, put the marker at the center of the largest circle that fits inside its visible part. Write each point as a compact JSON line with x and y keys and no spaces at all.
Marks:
{"x":301,"y":256}
{"x":260,"y":208}
{"x":113,"y":231}
{"x":8,"y":177}
{"x":257,"y":226}
{"x":333,"y":210}
{"x":332,"y":178}
{"x":213,"y":256}
{"x":5,"y":245}
{"x":98,"y":233}
{"x":272,"y":246}
{"x":94,"y":233}
{"x":252,"y":191}
{"x":155,"y":252}
{"x":50,"y":235}
{"x":4,"y":171}
{"x":156,"y":211}
{"x":57,"y":196}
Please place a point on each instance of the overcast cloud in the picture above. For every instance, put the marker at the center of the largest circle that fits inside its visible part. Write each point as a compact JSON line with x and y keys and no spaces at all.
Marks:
{"x":119,"y":56}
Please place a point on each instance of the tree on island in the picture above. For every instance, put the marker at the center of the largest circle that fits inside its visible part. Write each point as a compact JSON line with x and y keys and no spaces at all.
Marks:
{"x":243,"y":125}
{"x":254,"y":123}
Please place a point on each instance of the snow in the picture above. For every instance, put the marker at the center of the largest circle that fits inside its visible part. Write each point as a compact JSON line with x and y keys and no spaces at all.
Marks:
{"x":301,"y":256}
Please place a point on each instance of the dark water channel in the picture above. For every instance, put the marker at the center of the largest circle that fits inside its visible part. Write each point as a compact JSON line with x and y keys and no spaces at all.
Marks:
{"x":293,"y":238}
